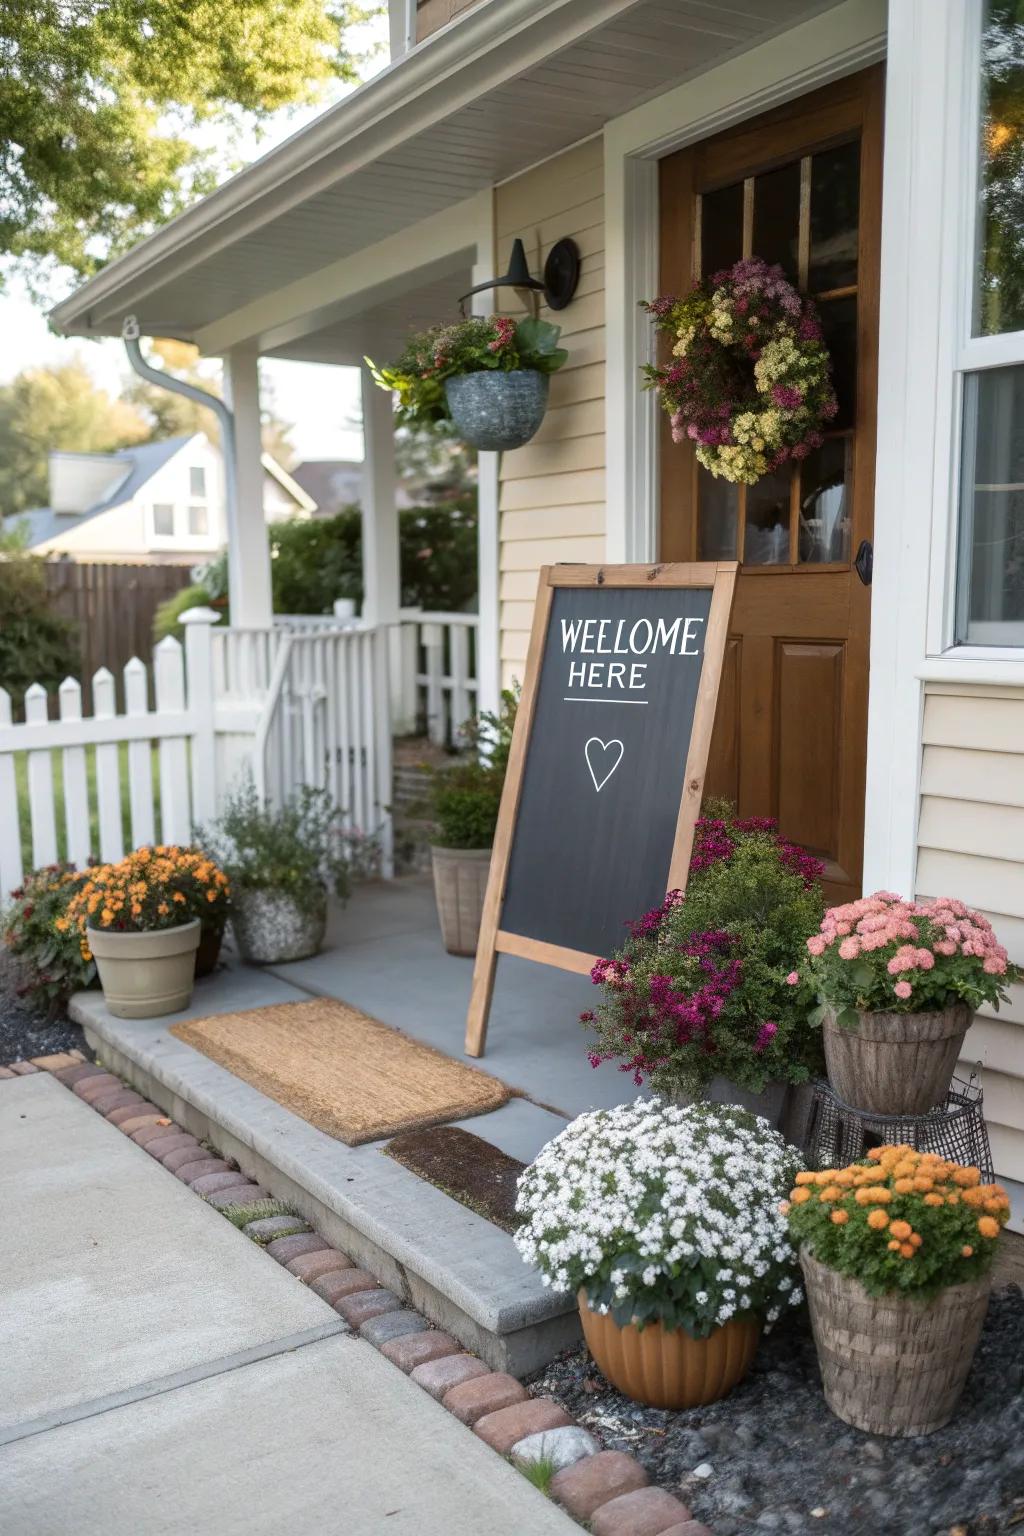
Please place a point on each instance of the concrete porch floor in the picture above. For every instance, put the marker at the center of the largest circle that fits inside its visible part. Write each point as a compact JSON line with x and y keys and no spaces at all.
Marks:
{"x":383,"y":954}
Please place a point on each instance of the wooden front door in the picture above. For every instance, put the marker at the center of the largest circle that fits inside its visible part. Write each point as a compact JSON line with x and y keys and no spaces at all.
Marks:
{"x":800,"y":186}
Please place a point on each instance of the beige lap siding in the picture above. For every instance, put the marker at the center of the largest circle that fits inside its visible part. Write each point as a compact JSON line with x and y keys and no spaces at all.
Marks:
{"x":971,"y":845}
{"x":552,"y":491}
{"x":431,"y":15}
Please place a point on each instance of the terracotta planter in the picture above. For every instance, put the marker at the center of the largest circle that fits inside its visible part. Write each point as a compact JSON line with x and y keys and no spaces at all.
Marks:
{"x":271,"y":928}
{"x":145,"y":975}
{"x":669,"y":1369}
{"x":892,"y":1365}
{"x":460,"y":884}
{"x":211,"y":937}
{"x":495,"y":410}
{"x":895,"y":1063}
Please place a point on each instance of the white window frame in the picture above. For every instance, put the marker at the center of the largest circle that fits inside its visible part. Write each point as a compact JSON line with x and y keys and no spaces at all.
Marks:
{"x":164,"y":538}
{"x":945,"y":660}
{"x":200,"y":506}
{"x":202,"y":494}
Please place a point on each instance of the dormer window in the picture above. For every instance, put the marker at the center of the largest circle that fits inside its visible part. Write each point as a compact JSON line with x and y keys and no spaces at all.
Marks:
{"x":197,"y":482}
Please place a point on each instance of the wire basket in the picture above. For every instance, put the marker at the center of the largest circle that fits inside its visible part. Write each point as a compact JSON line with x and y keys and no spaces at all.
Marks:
{"x":838,"y":1134}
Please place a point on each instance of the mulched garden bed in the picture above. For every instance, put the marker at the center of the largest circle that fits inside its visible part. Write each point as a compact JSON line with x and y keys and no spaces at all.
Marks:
{"x":771,"y":1457}
{"x":25,"y":1033}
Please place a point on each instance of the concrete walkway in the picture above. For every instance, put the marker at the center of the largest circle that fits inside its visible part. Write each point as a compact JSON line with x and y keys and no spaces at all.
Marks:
{"x":162,"y":1375}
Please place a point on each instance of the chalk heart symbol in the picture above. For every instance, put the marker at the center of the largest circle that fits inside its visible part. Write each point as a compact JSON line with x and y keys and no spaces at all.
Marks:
{"x":603,"y":757}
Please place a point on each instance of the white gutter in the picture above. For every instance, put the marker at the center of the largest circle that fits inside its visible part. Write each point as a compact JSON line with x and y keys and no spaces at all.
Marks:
{"x":494,"y":42}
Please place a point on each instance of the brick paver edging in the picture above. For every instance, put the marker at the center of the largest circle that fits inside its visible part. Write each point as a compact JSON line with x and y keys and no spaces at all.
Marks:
{"x":606,"y":1490}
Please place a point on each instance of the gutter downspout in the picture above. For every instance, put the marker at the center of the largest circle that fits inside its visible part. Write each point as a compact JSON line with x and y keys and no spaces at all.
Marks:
{"x":130,"y":335}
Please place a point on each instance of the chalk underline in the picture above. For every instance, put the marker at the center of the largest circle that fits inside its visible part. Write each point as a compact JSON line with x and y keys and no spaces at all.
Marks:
{"x":574,"y":698}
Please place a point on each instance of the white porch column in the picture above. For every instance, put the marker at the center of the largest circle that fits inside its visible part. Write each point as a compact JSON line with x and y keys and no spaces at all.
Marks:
{"x":248,"y":552}
{"x":382,"y":590}
{"x":488,"y":535}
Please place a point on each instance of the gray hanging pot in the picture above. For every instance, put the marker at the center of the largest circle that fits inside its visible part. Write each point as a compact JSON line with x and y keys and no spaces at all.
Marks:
{"x":497,"y":411}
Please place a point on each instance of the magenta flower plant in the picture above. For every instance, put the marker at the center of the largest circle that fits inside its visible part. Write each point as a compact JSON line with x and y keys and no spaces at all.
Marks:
{"x":700,"y":986}
{"x":881,"y":953}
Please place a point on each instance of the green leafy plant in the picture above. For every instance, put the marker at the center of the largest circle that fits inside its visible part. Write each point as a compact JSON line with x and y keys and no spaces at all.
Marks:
{"x":470,"y":346}
{"x":36,"y":644}
{"x":298,"y":849}
{"x":899,"y":1220}
{"x":465,"y":797}
{"x":663,"y":1214}
{"x":702,"y":986}
{"x":44,"y":942}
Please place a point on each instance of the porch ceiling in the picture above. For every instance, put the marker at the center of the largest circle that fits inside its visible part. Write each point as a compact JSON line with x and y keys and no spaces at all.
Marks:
{"x":507,"y":85}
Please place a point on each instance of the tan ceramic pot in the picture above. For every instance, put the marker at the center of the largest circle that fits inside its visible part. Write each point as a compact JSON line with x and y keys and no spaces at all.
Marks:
{"x":669,"y":1369}
{"x":145,"y":975}
{"x":895,"y":1063}
{"x":892,"y":1365}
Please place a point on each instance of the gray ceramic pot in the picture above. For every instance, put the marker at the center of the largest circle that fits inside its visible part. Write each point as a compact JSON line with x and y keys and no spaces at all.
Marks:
{"x":497,"y":411}
{"x":270,"y":928}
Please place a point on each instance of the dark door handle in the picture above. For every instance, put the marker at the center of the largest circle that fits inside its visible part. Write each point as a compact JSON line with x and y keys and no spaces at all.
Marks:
{"x":864,"y":564}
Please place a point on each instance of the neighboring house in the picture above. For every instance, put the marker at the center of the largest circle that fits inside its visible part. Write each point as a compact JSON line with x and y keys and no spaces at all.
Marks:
{"x":332,"y":483}
{"x":159,"y":503}
{"x":875,"y":150}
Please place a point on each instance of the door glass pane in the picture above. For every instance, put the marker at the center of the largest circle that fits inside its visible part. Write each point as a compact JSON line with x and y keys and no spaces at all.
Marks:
{"x":721,"y":229}
{"x":999,"y":282}
{"x":766,"y":541}
{"x":717,"y":509}
{"x":835,"y":200}
{"x":824,"y":533}
{"x":990,"y":588}
{"x":777,"y":218}
{"x":839,"y":323}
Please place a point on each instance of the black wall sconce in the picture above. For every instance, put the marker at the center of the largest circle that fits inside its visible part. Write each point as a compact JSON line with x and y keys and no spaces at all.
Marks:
{"x":561,"y":275}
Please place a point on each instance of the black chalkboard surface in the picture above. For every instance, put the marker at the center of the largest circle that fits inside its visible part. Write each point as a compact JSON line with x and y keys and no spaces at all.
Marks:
{"x":607,"y":764}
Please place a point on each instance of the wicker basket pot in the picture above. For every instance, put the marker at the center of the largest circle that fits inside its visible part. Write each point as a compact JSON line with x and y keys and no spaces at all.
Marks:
{"x":668,"y":1368}
{"x":460,"y":884}
{"x":271,"y":928}
{"x":895,"y":1063}
{"x":892,"y":1365}
{"x":145,"y":975}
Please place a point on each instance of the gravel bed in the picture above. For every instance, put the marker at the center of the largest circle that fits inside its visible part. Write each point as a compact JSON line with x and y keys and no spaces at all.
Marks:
{"x":24,"y":1033}
{"x":771,"y":1457}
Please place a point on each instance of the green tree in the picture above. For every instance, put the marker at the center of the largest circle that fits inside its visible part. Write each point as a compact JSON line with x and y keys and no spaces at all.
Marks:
{"x":56,"y":408}
{"x":36,"y":646}
{"x":100,"y":107}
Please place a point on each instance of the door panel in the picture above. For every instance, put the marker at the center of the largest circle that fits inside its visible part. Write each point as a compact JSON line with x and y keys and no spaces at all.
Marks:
{"x":800,"y":186}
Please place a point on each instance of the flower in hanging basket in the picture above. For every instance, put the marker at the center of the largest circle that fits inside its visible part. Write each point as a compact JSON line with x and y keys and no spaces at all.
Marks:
{"x":498,"y":346}
{"x":749,"y":377}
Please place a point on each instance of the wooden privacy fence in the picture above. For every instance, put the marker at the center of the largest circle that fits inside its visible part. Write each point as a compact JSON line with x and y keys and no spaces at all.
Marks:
{"x":112,"y":607}
{"x":91,"y":784}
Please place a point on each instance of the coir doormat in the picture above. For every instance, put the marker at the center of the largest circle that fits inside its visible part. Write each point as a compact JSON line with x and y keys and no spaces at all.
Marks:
{"x":466,"y":1167}
{"x":347,"y":1074}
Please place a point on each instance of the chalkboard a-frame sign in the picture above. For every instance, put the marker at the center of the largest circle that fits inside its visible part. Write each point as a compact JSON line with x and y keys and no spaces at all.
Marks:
{"x":607,"y":764}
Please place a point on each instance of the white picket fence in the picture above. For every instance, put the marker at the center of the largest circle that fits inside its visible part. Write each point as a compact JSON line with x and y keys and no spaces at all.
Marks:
{"x":310,"y":708}
{"x":306,"y":702}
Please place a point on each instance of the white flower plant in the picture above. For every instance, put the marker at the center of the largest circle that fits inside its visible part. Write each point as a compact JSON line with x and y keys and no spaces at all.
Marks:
{"x":664,"y":1214}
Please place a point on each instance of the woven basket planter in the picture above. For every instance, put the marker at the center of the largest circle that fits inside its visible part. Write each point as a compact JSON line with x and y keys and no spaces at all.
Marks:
{"x":669,"y":1369}
{"x":460,"y":884}
{"x":895,"y":1063}
{"x":892,"y":1365}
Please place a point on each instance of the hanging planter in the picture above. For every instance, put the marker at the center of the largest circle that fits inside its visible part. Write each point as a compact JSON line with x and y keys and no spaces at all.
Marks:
{"x":496,"y":412}
{"x":489,"y":378}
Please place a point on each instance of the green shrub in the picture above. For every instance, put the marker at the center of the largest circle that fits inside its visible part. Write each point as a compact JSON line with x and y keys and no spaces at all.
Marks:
{"x":36,"y":644}
{"x":465,"y":797}
{"x":46,"y":947}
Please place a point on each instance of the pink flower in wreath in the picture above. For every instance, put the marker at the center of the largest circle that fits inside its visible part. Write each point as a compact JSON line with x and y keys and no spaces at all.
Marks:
{"x":787,"y":398}
{"x":793,"y":979}
{"x":849,"y":949}
{"x":903,"y":990}
{"x":816,"y":944}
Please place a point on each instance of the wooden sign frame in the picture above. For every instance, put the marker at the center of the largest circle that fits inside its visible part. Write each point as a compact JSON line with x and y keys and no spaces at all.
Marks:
{"x":720,"y":576}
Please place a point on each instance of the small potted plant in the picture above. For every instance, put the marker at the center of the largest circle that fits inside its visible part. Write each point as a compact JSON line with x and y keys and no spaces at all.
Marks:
{"x":897,"y":1254}
{"x":897,"y":984}
{"x":43,"y":942}
{"x":666,"y":1223}
{"x":464,"y":801}
{"x":698,"y":999}
{"x":489,"y":377}
{"x":135,"y":918}
{"x":282,"y":864}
